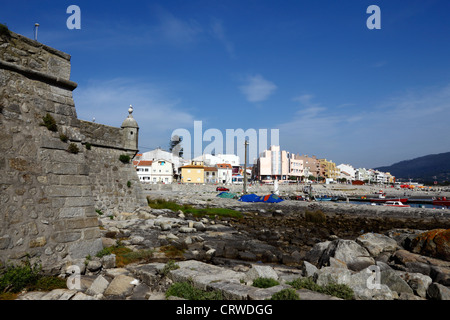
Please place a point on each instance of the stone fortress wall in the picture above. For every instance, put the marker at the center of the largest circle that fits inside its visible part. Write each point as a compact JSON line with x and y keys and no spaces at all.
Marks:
{"x":49,"y":196}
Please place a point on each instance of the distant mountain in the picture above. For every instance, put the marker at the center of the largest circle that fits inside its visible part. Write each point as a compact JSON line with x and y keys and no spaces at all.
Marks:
{"x":422,"y":169}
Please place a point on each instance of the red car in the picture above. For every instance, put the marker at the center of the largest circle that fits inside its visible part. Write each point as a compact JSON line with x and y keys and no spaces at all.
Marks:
{"x":222,"y":189}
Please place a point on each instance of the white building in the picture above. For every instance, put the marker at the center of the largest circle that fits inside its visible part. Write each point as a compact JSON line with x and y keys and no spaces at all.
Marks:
{"x":162,"y":171}
{"x":213,"y":160}
{"x":159,"y":154}
{"x":362,"y":174}
{"x":347,"y":171}
{"x":144,"y":170}
{"x":295,"y":166}
{"x":158,"y":171}
{"x":224,"y":173}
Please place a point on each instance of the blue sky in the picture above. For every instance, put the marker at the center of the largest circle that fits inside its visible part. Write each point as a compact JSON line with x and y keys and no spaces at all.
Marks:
{"x":311,"y":69}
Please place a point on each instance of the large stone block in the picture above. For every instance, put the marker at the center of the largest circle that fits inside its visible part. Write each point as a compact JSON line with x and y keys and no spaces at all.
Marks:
{"x":66,"y":236}
{"x":81,"y":249}
{"x":64,"y":191}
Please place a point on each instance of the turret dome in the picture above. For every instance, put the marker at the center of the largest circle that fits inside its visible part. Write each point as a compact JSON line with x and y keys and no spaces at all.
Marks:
{"x":130,"y":122}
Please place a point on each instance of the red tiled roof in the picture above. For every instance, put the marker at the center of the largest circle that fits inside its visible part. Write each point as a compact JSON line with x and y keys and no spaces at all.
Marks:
{"x":224,"y":165}
{"x":142,"y":163}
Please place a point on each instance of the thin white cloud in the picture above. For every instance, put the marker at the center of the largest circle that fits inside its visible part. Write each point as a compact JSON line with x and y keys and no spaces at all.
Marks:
{"x":156,"y":113}
{"x":257,"y":89}
{"x":218,"y":32}
{"x":175,"y":30}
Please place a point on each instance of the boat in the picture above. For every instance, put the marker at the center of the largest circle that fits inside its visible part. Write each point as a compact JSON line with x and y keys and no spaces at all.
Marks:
{"x":396,"y":204}
{"x":382,"y":198}
{"x":325,"y":198}
{"x":441,"y":202}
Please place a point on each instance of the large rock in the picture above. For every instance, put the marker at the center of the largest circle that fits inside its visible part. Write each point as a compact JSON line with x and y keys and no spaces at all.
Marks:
{"x":365,"y":284}
{"x":313,"y":256}
{"x":438,"y":270}
{"x":120,"y":286}
{"x":351,"y":253}
{"x":261,"y":271}
{"x":327,"y":275}
{"x":434,"y":243}
{"x":417,"y":281}
{"x":98,"y":286}
{"x":395,"y":282}
{"x":438,"y":291}
{"x":203,"y":274}
{"x":377,"y":243}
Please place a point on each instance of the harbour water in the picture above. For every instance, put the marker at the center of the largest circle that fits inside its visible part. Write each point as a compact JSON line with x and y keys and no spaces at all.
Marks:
{"x":412,"y":205}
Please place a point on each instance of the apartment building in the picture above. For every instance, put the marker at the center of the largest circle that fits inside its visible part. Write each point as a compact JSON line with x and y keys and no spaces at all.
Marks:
{"x":272,"y":164}
{"x":311,"y":166}
{"x":328,"y":169}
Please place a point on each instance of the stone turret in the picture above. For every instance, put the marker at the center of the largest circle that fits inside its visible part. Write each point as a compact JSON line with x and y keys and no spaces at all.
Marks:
{"x":50,"y":189}
{"x":130,"y":132}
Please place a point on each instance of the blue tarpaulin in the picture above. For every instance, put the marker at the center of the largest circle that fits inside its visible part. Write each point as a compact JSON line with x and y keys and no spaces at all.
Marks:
{"x":249,"y":198}
{"x":271,"y":198}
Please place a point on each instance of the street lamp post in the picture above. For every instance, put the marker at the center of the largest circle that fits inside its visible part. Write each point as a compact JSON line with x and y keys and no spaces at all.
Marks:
{"x":245,"y":167}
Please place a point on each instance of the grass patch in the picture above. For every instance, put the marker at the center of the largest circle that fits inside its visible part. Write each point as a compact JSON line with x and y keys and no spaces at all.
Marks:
{"x":125,"y":256}
{"x":169,"y":266}
{"x":265,"y":282}
{"x":212,"y":212}
{"x":15,"y":278}
{"x":73,"y":148}
{"x":286,"y":294}
{"x":342,"y":291}
{"x":124,"y":158}
{"x":49,"y":122}
{"x":187,"y":291}
{"x":63,"y":137}
{"x":315,"y":216}
{"x":164,"y":204}
{"x":4,"y":31}
{"x":196,"y":212}
{"x":171,"y":251}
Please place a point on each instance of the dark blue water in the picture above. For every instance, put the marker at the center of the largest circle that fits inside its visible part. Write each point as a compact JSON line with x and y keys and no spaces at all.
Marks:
{"x":413,"y":205}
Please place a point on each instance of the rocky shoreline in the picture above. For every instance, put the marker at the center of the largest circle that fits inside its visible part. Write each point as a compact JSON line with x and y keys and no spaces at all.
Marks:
{"x":381,"y":256}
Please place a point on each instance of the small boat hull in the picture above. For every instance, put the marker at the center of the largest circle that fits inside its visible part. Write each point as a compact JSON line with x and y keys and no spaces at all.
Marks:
{"x":396,"y":204}
{"x":387,"y":199}
{"x":441,"y":203}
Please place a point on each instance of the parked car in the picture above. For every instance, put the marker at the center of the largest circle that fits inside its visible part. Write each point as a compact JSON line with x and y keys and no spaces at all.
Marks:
{"x":222,"y":189}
